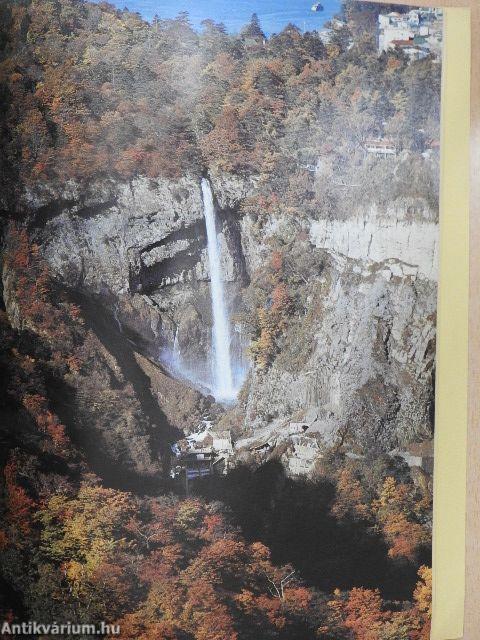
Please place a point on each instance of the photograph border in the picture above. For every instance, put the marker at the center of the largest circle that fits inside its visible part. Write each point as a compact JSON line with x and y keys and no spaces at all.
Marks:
{"x":456,"y":530}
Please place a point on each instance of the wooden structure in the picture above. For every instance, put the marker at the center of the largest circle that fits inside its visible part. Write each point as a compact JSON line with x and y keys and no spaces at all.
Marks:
{"x":381,"y":147}
{"x":194,"y":465}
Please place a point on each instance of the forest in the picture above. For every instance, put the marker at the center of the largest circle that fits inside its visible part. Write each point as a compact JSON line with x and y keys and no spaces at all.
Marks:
{"x":88,"y":92}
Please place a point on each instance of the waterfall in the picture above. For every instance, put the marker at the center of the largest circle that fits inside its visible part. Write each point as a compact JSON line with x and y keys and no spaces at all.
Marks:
{"x":117,"y":319}
{"x":222,"y":365}
{"x":176,"y":349}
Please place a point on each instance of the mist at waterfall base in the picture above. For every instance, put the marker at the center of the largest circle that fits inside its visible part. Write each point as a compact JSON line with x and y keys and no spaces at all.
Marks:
{"x":226,"y":370}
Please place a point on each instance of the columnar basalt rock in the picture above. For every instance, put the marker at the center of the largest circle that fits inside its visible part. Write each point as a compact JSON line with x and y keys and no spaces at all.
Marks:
{"x":370,"y":371}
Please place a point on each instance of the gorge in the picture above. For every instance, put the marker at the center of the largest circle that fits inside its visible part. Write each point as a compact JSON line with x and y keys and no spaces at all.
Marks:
{"x":359,"y":329}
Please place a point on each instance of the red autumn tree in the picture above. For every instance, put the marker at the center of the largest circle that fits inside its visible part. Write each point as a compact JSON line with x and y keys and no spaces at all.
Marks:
{"x":19,"y":505}
{"x":363,"y":614}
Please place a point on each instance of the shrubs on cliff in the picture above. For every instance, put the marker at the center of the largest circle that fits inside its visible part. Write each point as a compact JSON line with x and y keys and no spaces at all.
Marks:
{"x":59,"y":324}
{"x":283,"y":300}
{"x":45,"y":345}
{"x":270,"y":320}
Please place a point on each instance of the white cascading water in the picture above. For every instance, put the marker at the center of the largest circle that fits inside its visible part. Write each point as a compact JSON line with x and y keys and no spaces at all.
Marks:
{"x":224,"y":388}
{"x":176,"y":350}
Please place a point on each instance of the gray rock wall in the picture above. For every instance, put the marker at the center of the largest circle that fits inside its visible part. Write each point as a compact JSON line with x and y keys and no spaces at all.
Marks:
{"x":141,"y":248}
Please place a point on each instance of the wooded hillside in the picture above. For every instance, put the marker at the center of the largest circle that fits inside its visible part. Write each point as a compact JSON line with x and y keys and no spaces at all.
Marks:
{"x":91,"y":91}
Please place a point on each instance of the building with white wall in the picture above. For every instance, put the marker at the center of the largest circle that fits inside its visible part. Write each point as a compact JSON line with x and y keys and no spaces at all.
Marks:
{"x":417,"y":32}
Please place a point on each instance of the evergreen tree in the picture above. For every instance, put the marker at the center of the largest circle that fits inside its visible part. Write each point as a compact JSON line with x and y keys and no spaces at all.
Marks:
{"x":253,"y":29}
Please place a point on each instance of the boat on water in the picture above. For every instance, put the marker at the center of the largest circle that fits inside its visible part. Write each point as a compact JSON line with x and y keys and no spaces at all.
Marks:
{"x":317,"y":7}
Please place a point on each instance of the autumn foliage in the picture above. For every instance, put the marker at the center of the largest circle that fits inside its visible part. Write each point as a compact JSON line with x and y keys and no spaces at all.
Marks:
{"x":400,"y":517}
{"x":18,"y":504}
{"x":271,"y":320}
{"x":90,"y":91}
{"x":180,"y":565}
{"x":361,"y":614}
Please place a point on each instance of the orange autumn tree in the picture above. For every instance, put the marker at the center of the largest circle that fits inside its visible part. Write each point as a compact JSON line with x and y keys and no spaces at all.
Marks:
{"x":396,"y":514}
{"x":19,"y":507}
{"x":422,"y":611}
{"x":363,"y":614}
{"x":225,"y":146}
{"x":205,"y":615}
{"x":355,"y":615}
{"x":46,"y":420}
{"x":350,"y":498}
{"x":263,"y":348}
{"x":271,"y":321}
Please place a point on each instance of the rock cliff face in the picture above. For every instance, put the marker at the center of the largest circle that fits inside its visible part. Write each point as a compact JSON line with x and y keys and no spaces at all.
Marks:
{"x":369,"y":357}
{"x":359,"y":365}
{"x":359,"y":361}
{"x":404,"y":235}
{"x":141,"y":248}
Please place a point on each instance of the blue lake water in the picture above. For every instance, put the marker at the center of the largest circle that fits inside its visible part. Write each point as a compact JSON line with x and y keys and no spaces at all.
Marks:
{"x":274,"y":16}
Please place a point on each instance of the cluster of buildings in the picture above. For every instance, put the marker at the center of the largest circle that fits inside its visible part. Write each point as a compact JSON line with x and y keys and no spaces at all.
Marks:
{"x":381,"y":147}
{"x":303,"y":446}
{"x":418,"y":33}
{"x":299,"y":445}
{"x":306,"y":451}
{"x":201,"y":454}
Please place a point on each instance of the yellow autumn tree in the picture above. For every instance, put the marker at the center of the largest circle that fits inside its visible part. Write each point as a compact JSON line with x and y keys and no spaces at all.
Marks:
{"x":396,"y":516}
{"x":350,"y":499}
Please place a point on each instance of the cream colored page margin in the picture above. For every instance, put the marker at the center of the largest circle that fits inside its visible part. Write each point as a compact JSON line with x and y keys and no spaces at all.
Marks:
{"x":452,"y":347}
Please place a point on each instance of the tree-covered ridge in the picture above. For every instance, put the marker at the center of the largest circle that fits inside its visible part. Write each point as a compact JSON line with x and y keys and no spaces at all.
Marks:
{"x":91,"y":91}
